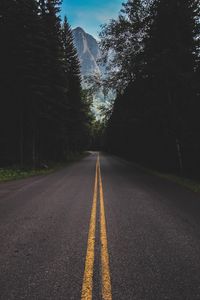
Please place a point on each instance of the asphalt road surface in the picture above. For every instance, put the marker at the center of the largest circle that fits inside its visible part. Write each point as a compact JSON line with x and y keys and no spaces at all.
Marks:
{"x":99,"y":229}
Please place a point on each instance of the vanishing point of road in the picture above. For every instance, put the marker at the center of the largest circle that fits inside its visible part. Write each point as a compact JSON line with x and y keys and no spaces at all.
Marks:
{"x":99,"y":229}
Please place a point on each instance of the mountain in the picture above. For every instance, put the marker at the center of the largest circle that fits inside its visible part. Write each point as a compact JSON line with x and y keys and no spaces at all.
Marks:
{"x":88,"y":52}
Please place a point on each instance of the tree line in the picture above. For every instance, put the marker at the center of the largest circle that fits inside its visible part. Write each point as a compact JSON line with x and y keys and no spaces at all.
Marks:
{"x":44,"y":112}
{"x":152,"y":51}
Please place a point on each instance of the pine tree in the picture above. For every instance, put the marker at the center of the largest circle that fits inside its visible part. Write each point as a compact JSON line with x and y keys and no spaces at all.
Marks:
{"x":54,"y":104}
{"x":78,"y":113}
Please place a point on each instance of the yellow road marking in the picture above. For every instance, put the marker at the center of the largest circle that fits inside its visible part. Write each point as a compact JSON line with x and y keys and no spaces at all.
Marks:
{"x":87,"y":287}
{"x":105,"y":269}
{"x":89,"y":263}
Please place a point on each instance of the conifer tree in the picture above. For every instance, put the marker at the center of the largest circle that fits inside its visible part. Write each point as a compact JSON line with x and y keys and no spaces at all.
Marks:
{"x":78,"y":113}
{"x":52,"y":119}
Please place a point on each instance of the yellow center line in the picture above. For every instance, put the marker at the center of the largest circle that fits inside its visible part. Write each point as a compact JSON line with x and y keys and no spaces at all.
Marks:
{"x":105,"y":269}
{"x":89,"y":262}
{"x":87,"y":287}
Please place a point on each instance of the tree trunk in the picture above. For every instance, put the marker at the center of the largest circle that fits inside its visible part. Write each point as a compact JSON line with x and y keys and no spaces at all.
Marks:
{"x":21,"y":140}
{"x":33,"y":151}
{"x":180,"y":156}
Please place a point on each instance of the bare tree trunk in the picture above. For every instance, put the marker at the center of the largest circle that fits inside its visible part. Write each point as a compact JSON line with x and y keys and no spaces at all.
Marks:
{"x":21,"y":140}
{"x":33,"y":151}
{"x":180,"y":156}
{"x":35,"y":145}
{"x":178,"y":143}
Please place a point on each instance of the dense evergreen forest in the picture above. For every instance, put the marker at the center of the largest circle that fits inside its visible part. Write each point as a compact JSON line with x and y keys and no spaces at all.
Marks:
{"x":153,"y":54}
{"x":44,"y":112}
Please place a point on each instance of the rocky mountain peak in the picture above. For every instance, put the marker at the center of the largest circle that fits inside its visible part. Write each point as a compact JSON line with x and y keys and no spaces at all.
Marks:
{"x":88,"y":52}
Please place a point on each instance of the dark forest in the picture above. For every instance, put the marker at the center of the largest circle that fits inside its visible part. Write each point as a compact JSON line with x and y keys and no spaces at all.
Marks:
{"x":155,"y":68}
{"x":44,"y":114}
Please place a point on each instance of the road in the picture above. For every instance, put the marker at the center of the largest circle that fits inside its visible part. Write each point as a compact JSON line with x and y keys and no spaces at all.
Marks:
{"x":99,"y":229}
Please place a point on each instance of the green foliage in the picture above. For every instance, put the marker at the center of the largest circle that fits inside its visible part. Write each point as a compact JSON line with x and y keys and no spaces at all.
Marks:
{"x":13,"y":174}
{"x":189,"y":183}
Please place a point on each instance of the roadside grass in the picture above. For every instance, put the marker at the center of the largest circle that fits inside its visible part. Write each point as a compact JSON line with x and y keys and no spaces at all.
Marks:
{"x":7,"y":174}
{"x":193,"y":185}
{"x":184,"y":181}
{"x":14,"y":173}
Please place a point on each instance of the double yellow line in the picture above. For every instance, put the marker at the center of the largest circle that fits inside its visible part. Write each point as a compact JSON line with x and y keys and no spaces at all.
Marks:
{"x":87,"y":287}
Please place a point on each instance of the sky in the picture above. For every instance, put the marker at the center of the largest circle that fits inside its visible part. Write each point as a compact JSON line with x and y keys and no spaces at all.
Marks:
{"x":90,"y":14}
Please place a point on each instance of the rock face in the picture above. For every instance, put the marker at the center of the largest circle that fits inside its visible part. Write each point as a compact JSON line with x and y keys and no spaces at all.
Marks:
{"x":88,"y":52}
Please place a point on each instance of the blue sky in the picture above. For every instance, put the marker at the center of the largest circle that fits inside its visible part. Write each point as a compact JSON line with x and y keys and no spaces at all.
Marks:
{"x":90,"y":14}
